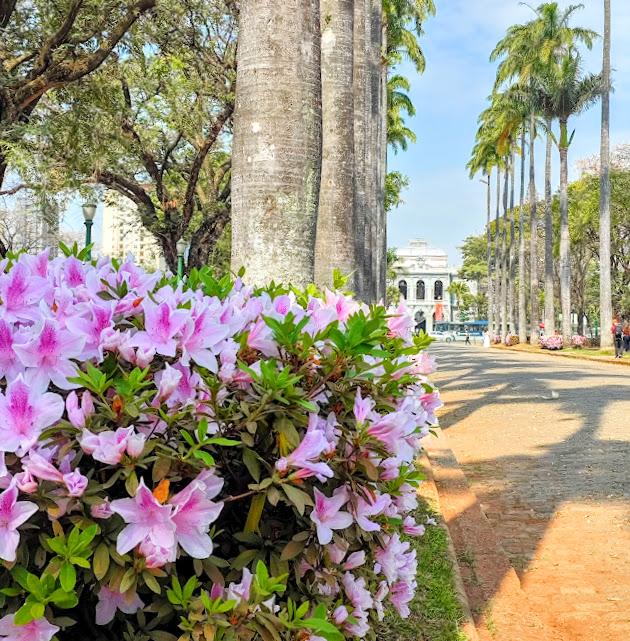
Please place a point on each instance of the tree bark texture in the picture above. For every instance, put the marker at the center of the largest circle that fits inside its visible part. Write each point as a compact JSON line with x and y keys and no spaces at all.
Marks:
{"x":512,"y":257}
{"x":565,"y":240}
{"x":497,"y":256}
{"x":605,"y":287}
{"x":550,"y":314}
{"x":489,"y":258}
{"x":522,"y":271}
{"x":381,"y":256}
{"x":276,"y":151}
{"x":334,"y":247}
{"x":359,"y":81}
{"x":504,"y":253}
{"x":533,"y":238}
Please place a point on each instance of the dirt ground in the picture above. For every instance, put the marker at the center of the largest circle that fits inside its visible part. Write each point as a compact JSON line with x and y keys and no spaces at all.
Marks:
{"x":545,"y":445}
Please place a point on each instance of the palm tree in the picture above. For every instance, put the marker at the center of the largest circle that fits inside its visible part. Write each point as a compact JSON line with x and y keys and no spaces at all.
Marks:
{"x":334,"y":246}
{"x":522,"y":275}
{"x":605,"y":291}
{"x":276,"y":151}
{"x":570,"y":93}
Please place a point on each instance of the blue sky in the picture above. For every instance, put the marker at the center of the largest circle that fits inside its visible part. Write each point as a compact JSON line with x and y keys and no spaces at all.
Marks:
{"x":442,"y":205}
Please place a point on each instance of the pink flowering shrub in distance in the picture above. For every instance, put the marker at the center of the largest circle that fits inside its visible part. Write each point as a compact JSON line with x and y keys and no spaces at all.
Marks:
{"x":202,"y":461}
{"x":550,"y":342}
{"x":578,"y":341}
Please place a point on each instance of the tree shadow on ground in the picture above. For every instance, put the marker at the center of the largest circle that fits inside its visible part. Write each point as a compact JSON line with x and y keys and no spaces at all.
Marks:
{"x":586,"y":461}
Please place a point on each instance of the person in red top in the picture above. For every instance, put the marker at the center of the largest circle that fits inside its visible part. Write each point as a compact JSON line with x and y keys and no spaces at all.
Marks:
{"x":617,"y":332}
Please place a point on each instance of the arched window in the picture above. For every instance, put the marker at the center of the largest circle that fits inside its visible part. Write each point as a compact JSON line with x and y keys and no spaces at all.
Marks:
{"x":438,"y":290}
{"x":420,"y":290}
{"x":402,"y":286}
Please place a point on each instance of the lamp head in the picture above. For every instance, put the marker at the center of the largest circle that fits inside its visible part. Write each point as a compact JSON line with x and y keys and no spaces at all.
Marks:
{"x":181,"y":246}
{"x":89,"y":211}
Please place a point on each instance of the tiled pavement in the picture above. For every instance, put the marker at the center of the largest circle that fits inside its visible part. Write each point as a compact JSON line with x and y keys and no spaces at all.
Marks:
{"x":552,"y":476}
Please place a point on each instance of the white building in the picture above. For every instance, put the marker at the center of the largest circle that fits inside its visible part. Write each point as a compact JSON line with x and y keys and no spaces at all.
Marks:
{"x":423,"y":276}
{"x":123,"y":234}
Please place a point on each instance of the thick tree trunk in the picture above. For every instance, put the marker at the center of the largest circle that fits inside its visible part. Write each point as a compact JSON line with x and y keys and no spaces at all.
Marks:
{"x":489,"y":258}
{"x":497,"y":257}
{"x":605,"y":288}
{"x":277,"y":141}
{"x":359,"y":82}
{"x":550,"y":315}
{"x":533,"y":238}
{"x":334,"y":247}
{"x":381,"y":289}
{"x":512,"y":267}
{"x":565,"y":240}
{"x":504,"y":253}
{"x":522,"y":272}
{"x":374,"y":33}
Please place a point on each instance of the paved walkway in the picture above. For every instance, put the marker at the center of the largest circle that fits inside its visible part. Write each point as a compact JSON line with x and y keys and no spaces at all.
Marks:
{"x":545,"y":445}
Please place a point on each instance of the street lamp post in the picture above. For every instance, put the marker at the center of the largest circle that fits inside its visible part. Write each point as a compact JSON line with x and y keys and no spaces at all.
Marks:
{"x":181,"y":250}
{"x":89,"y":211}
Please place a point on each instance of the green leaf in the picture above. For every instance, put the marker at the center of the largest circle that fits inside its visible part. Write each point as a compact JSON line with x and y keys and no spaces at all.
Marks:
{"x":250,"y":458}
{"x":244,"y":559}
{"x":37,"y":610}
{"x":227,"y":442}
{"x":205,"y":457}
{"x":23,"y":615}
{"x":63,"y":599}
{"x":291,"y":550}
{"x":68,"y":576}
{"x":255,"y":512}
{"x":128,"y":580}
{"x":189,"y":588}
{"x":297,"y":497}
{"x":100,"y":562}
{"x":151,"y":582}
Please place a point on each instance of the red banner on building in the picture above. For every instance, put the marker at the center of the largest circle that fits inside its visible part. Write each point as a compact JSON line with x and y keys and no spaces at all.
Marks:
{"x":439,"y":312}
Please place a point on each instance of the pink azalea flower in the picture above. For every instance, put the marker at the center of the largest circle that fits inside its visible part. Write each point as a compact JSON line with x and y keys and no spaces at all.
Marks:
{"x":365,"y":510}
{"x":37,"y":264}
{"x":310,"y":449}
{"x":412,"y":528}
{"x":25,"y":414}
{"x":201,"y":339}
{"x":157,"y":555}
{"x":192,"y":516}
{"x":108,"y":446}
{"x":381,"y":593}
{"x":5,"y":475}
{"x":102,"y":510}
{"x":395,"y":560}
{"x":240,"y":591}
{"x":135,"y":444}
{"x":10,"y":365}
{"x":345,"y":306}
{"x":26,"y":482}
{"x":42,"y":468}
{"x":76,"y":483}
{"x":161,"y":325}
{"x":400,"y":595}
{"x":37,"y":630}
{"x":423,"y":364}
{"x":340,"y":614}
{"x":261,"y":338}
{"x":355,"y":560}
{"x":78,"y":413}
{"x":145,"y":518}
{"x":111,"y":600}
{"x":13,"y":513}
{"x":94,"y":328}
{"x":168,"y":381}
{"x":21,"y":293}
{"x":327,"y":515}
{"x":431,"y":402}
{"x":391,"y":430}
{"x":401,"y":325}
{"x":362,"y":408}
{"x":49,"y":353}
{"x":74,"y":272}
{"x":144,"y":356}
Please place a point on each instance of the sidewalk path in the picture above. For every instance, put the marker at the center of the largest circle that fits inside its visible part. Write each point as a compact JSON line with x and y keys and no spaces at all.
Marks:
{"x":553,"y":477}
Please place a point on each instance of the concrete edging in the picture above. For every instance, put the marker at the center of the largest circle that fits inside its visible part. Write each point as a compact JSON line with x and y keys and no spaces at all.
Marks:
{"x":578,"y":357}
{"x":467,"y":625}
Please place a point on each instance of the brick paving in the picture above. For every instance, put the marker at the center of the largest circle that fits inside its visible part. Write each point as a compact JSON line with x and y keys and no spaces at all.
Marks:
{"x":552,"y":476}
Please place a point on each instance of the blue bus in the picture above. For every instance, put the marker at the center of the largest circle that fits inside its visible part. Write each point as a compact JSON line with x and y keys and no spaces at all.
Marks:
{"x":476,"y":328}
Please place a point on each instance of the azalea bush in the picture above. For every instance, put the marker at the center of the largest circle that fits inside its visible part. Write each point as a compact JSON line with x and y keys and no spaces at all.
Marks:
{"x":203,"y":460}
{"x":496,"y":340}
{"x":578,"y":341}
{"x":550,"y":342}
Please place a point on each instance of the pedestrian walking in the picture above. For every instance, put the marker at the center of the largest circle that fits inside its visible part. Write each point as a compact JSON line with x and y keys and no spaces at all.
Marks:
{"x":486,"y":339}
{"x":626,"y":336}
{"x":468,"y":336}
{"x":617,"y":332}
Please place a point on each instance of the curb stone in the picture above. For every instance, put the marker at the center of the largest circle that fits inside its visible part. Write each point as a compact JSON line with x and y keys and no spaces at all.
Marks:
{"x":559,"y":353}
{"x":502,"y":610}
{"x":429,"y":490}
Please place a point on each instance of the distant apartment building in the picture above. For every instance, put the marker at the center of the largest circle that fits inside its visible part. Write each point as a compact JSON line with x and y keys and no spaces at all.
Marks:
{"x":124,"y":234}
{"x":24,"y":226}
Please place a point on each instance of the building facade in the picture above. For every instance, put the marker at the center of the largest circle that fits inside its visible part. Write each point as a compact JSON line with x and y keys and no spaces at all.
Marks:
{"x":423,"y":276}
{"x":124,"y":234}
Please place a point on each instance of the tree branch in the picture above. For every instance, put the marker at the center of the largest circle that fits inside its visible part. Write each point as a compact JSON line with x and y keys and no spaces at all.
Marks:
{"x":200,"y":157}
{"x":7,"y":7}
{"x":13,"y":190}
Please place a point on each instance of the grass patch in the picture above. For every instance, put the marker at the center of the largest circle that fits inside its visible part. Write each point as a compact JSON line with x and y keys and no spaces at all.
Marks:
{"x":435,"y":610}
